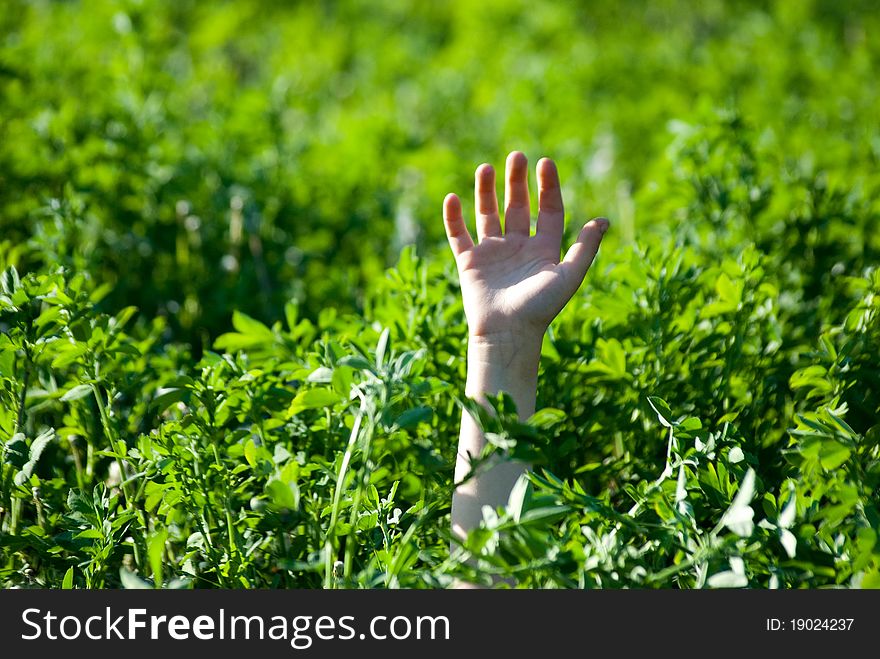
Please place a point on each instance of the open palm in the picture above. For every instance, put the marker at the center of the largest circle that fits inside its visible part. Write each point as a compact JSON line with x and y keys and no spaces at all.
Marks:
{"x":515,"y":283}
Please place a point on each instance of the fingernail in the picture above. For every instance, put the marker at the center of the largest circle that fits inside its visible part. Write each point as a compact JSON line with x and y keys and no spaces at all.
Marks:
{"x":603,"y":224}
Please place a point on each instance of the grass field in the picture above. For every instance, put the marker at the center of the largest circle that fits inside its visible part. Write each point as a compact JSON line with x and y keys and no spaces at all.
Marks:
{"x":233,"y":347}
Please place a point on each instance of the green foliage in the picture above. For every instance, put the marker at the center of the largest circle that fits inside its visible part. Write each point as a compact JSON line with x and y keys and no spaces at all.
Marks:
{"x":206,"y":380}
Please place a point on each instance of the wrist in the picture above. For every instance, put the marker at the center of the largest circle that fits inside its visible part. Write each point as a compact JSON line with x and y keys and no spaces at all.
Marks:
{"x":504,"y":361}
{"x":506,"y":351}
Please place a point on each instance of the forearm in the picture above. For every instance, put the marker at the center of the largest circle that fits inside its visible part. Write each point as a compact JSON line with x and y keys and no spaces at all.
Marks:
{"x":513,"y":285}
{"x":507,"y":363}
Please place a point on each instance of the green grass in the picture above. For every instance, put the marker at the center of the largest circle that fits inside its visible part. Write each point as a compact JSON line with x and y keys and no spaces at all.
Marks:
{"x":232,"y":349}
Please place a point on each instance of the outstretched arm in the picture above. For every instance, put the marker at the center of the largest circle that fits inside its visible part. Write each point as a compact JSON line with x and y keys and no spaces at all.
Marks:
{"x":513,"y":285}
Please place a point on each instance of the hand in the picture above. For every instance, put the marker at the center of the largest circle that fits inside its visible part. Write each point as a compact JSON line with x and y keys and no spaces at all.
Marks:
{"x":513,"y":285}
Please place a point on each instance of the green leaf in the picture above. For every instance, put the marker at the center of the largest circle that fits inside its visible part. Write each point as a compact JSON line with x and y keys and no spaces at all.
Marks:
{"x":812,"y":377}
{"x":179,"y":583}
{"x":413,"y":417}
{"x":358,"y":363}
{"x":47,"y":318}
{"x":16,"y":450}
{"x":871,"y":579}
{"x":251,"y":334}
{"x":832,"y":454}
{"x":79,"y":503}
{"x":40,"y":443}
{"x":247,"y":325}
{"x":125,"y":349}
{"x":9,"y":281}
{"x":77,"y":392}
{"x":664,"y":414}
{"x":283,"y":495}
{"x":843,"y":424}
{"x":787,"y":514}
{"x":545,"y":515}
{"x":250,"y":452}
{"x":130,"y":581}
{"x":311,"y":399}
{"x":681,"y":485}
{"x":291,"y":315}
{"x":67,"y":582}
{"x":612,"y":355}
{"x":381,"y":347}
{"x":789,"y":542}
{"x":36,"y":450}
{"x":519,"y":496}
{"x":69,"y":354}
{"x":727,"y":579}
{"x":7,"y":362}
{"x":321,"y":375}
{"x":123,"y":316}
{"x":729,"y":296}
{"x":546,"y":418}
{"x":165,"y":397}
{"x":735,"y":455}
{"x":89,"y":534}
{"x":154,"y":493}
{"x":727,"y":291}
{"x":100,"y":292}
{"x":739,"y":515}
{"x":343,"y":377}
{"x":155,"y":552}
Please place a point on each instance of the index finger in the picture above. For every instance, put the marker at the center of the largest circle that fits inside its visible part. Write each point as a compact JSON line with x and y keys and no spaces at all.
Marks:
{"x":456,"y":231}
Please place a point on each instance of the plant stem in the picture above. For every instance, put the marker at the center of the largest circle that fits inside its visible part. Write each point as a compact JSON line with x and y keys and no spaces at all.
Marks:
{"x":337,"y":495}
{"x":351,"y":545}
{"x":22,"y":401}
{"x":139,"y":549}
{"x":15,"y":503}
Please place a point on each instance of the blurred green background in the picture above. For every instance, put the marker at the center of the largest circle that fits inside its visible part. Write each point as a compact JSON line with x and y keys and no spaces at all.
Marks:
{"x":182,"y":179}
{"x":203,"y":157}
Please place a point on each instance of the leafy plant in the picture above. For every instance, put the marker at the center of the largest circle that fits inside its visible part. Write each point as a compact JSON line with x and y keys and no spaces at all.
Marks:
{"x":209,"y":376}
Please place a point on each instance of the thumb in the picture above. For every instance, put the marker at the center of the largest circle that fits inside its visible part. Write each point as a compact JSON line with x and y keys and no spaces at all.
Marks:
{"x":580,"y":255}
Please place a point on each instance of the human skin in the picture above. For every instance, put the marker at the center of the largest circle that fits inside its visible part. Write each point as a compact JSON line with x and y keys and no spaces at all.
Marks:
{"x":513,"y":285}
